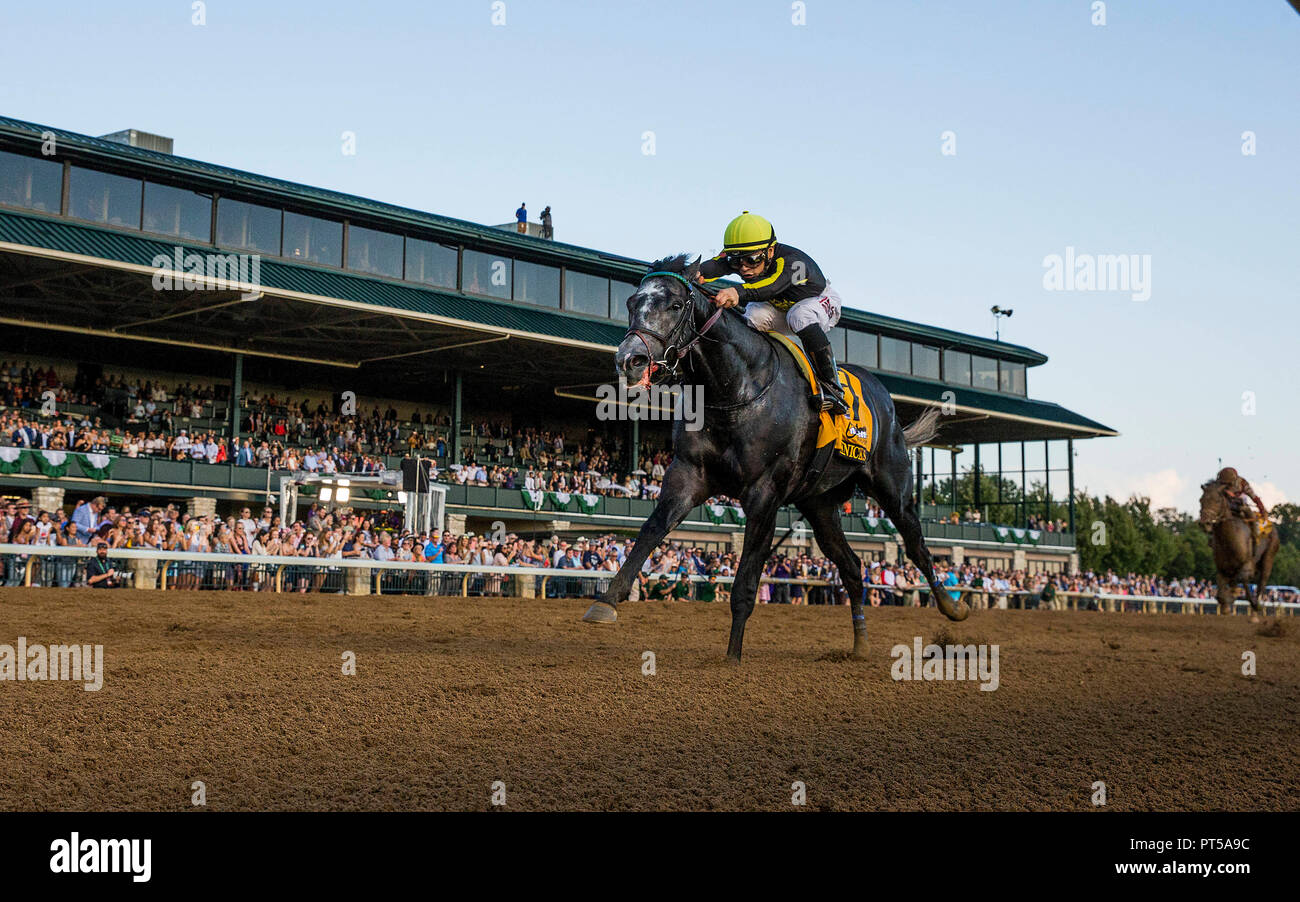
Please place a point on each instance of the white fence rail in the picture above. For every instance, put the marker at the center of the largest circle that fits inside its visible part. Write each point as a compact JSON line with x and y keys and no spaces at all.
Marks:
{"x":147,"y":568}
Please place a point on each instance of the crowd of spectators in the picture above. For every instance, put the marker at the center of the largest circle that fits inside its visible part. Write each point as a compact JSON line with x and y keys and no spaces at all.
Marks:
{"x":346,"y":533}
{"x":287,"y":434}
{"x":128,"y":417}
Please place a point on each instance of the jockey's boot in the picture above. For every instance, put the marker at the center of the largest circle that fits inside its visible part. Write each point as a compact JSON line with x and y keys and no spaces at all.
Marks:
{"x":818,"y":348}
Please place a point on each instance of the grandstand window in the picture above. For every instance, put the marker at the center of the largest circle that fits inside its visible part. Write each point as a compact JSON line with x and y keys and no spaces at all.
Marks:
{"x":925,"y":361}
{"x":838,"y":343}
{"x":431,"y":263}
{"x":619,"y":292}
{"x":1011,"y":377}
{"x":177,"y":212}
{"x":489,"y":274}
{"x":537,"y":284}
{"x":862,"y":349}
{"x":585,"y":293}
{"x":248,"y":226}
{"x":31,"y":183}
{"x":104,"y":197}
{"x":984,"y":373}
{"x":895,"y":355}
{"x":311,"y":239}
{"x":956,"y":367}
{"x":375,"y":252}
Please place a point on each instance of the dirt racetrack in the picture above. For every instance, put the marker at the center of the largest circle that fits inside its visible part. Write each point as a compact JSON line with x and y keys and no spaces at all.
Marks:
{"x":245,"y":692}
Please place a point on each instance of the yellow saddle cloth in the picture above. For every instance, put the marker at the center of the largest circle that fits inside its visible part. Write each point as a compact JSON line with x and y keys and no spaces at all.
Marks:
{"x":853,"y":435}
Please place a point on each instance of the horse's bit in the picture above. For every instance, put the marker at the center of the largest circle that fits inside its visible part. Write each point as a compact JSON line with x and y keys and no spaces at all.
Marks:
{"x":672,"y":353}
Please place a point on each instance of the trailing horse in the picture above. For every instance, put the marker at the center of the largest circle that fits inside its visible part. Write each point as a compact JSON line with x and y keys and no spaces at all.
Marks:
{"x":1238,"y":557}
{"x":757,"y":445}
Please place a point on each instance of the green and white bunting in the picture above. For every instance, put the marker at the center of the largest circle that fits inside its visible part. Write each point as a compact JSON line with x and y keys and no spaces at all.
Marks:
{"x":53,"y":464}
{"x":1035,"y":536}
{"x":737,"y":514}
{"x":588,"y":503}
{"x":559,"y":500}
{"x":716,"y":513}
{"x":11,"y":460}
{"x":532,"y":499}
{"x":96,"y":466}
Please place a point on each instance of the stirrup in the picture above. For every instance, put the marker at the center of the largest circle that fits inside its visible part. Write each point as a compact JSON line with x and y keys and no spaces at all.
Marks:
{"x":833,"y":403}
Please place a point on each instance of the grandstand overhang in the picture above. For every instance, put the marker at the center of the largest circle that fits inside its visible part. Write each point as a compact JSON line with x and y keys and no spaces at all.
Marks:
{"x":81,"y":279}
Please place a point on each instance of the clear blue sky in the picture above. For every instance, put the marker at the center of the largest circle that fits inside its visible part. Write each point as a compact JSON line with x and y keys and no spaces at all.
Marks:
{"x":1120,"y":139}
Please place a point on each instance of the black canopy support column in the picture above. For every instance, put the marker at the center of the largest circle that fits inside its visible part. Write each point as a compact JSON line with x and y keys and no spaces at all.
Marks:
{"x":236,"y":392}
{"x":1069,"y":450}
{"x":458,"y":398}
{"x":1024,"y":496}
{"x":1047,"y":475}
{"x":920,"y":476}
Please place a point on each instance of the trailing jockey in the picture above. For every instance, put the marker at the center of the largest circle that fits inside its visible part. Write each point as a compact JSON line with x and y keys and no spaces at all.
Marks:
{"x":1236,"y":490}
{"x":783,"y":291}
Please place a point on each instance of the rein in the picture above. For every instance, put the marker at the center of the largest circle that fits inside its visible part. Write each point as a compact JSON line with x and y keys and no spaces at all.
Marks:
{"x":672,"y":353}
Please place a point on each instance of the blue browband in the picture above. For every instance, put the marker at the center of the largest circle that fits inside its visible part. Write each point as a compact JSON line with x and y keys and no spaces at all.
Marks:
{"x":676,"y":275}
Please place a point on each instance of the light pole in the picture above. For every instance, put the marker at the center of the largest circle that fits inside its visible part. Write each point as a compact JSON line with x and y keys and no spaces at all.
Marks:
{"x":998,"y":312}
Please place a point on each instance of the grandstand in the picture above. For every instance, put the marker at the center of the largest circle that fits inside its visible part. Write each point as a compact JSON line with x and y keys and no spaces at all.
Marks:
{"x":454,"y":340}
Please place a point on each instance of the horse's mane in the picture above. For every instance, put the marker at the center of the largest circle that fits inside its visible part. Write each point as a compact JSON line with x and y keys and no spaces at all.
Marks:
{"x":678,"y":263}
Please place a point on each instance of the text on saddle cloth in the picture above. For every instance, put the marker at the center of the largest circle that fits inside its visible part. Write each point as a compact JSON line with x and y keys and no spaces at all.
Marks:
{"x":853,"y":435}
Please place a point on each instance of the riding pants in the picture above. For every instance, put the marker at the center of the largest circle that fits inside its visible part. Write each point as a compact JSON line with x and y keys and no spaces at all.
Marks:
{"x":823,"y":310}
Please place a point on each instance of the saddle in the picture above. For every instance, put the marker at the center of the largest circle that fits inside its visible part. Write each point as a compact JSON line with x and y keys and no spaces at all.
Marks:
{"x":852,"y":437}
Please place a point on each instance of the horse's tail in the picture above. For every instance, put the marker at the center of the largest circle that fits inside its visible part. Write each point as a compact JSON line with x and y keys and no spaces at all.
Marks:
{"x":922,"y":429}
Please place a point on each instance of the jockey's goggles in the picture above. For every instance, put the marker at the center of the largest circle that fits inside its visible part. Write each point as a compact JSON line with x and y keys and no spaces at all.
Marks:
{"x":753,"y":258}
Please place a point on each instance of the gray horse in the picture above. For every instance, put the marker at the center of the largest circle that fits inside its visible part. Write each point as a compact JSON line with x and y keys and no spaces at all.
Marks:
{"x":757,"y":445}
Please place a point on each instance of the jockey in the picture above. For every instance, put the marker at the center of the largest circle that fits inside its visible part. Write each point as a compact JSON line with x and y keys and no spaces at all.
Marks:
{"x":783,"y":291}
{"x":1237,"y":491}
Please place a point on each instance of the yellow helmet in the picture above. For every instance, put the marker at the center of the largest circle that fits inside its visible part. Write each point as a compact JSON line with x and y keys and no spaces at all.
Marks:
{"x":747,"y":232}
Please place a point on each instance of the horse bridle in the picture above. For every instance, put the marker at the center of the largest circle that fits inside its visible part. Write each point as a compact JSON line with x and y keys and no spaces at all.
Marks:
{"x":672,"y":352}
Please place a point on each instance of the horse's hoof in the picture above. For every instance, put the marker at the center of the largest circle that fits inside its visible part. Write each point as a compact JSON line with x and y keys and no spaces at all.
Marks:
{"x":733,"y":659}
{"x":600,"y":612}
{"x":859,"y":652}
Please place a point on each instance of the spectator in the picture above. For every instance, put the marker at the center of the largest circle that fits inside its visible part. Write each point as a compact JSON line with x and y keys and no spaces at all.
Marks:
{"x":100,"y":574}
{"x":86,"y":516}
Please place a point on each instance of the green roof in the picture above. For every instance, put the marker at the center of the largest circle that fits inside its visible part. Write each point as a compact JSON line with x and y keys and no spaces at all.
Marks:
{"x":113,"y":244}
{"x":196,"y":172}
{"x":905,"y":387}
{"x":375,"y":213}
{"x":40,"y":231}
